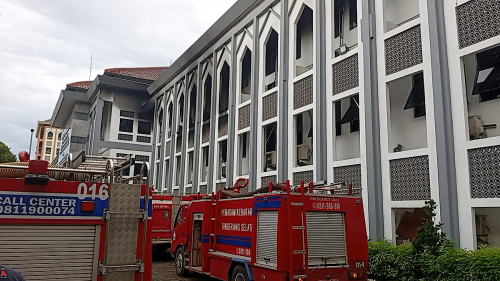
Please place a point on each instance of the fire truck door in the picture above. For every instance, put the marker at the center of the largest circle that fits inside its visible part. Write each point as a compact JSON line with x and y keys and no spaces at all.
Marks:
{"x":122,"y":222}
{"x":196,"y":244}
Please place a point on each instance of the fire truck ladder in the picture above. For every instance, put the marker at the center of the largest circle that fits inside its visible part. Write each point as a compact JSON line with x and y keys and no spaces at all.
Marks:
{"x":214,"y":212}
{"x":294,"y":207}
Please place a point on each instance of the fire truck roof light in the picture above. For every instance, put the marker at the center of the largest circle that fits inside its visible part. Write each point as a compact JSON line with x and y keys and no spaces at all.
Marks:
{"x":88,"y":206}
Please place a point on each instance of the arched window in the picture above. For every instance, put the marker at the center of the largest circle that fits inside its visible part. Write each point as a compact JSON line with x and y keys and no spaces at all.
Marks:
{"x":224,"y":88}
{"x":192,"y":108}
{"x":304,"y":41}
{"x":208,"y":98}
{"x":50,"y":135}
{"x":271,"y":63}
{"x":246,"y":76}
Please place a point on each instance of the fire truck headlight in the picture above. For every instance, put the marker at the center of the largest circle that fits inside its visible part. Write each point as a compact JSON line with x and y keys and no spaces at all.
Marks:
{"x":352,"y":275}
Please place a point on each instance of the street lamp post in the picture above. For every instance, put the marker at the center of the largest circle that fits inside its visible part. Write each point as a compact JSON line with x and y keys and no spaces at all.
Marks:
{"x":31,"y":139}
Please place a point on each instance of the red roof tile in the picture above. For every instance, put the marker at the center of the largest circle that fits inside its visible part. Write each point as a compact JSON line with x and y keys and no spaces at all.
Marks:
{"x":147,"y":73}
{"x":81,"y":84}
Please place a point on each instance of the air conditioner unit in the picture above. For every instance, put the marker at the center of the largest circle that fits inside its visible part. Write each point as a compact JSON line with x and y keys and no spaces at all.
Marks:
{"x":270,"y":158}
{"x":303,"y":152}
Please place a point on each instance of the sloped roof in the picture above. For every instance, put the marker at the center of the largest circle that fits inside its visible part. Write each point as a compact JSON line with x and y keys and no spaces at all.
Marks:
{"x":81,"y":84}
{"x":147,"y":73}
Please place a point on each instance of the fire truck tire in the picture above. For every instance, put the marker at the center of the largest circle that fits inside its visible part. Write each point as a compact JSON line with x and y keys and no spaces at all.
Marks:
{"x":180,"y":267}
{"x":239,"y":274}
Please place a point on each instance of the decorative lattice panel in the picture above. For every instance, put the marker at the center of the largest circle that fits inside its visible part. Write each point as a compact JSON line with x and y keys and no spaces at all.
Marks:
{"x":265,"y":180}
{"x":303,"y":92}
{"x":403,"y":50}
{"x":484,"y":172}
{"x":205,"y":133}
{"x":126,"y":113}
{"x":244,"y":117}
{"x":410,"y":179}
{"x":125,"y":137}
{"x":223,"y":125}
{"x":191,"y":139}
{"x":189,"y":190}
{"x":178,"y":144}
{"x":270,"y":106}
{"x":143,"y":139}
{"x":345,"y":74}
{"x":220,"y":186}
{"x":203,"y":189}
{"x":167,"y":149}
{"x":142,"y":158}
{"x":350,"y":175}
{"x":477,"y":20}
{"x":306,"y":176}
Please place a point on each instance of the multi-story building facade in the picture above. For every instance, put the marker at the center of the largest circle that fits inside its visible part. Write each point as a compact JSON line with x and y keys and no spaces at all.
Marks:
{"x":395,"y":97}
{"x":48,"y":141}
{"x":106,"y":116}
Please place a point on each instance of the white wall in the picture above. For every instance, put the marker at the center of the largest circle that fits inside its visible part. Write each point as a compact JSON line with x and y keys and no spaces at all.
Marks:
{"x":398,"y":11}
{"x":410,"y":132}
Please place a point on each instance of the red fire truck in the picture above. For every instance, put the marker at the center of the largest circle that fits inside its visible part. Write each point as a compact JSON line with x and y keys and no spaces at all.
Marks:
{"x":82,"y":226}
{"x":162,"y":222}
{"x":274,"y":233}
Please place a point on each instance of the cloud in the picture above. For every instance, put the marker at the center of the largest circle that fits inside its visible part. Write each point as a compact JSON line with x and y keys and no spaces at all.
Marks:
{"x":45,"y":45}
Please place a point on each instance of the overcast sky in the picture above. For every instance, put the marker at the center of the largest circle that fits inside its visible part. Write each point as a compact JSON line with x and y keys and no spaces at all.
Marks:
{"x":45,"y":45}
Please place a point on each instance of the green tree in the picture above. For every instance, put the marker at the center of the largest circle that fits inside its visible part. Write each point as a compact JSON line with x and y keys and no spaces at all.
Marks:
{"x":5,"y":154}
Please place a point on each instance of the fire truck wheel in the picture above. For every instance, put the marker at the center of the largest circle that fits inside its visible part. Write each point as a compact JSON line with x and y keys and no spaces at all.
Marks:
{"x":239,"y":274}
{"x":180,"y":267}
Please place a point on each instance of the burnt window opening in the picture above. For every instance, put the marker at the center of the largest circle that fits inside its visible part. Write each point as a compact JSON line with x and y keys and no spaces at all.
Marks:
{"x":144,"y":128}
{"x":304,"y":41}
{"x":244,"y":163}
{"x":208,"y":98}
{"x":181,"y":115}
{"x":270,"y":142}
{"x":192,"y":108}
{"x":222,"y":160}
{"x":304,"y":138}
{"x":224,"y":88}
{"x":342,"y":25}
{"x":126,"y":125}
{"x":160,"y":125}
{"x":350,"y":117}
{"x":204,"y":170}
{"x":170,"y":117}
{"x":178,"y":170}
{"x":271,"y":63}
{"x":487,"y":80}
{"x":246,"y":76}
{"x":416,"y":99}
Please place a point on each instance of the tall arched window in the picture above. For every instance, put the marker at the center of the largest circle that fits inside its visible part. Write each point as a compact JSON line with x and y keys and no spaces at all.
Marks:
{"x":50,"y":135}
{"x":271,"y":63}
{"x":224,"y":88}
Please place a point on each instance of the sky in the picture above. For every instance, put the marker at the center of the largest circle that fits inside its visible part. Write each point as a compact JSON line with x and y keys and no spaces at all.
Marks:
{"x":45,"y":45}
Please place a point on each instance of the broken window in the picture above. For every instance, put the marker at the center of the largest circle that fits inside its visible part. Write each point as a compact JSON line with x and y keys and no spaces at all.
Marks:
{"x":487,"y":81}
{"x":208,"y":98}
{"x":350,"y":117}
{"x":304,"y":138}
{"x":271,"y":63}
{"x":399,"y":12}
{"x":244,"y":160}
{"x":345,"y":22}
{"x":178,"y":170}
{"x":192,"y":108}
{"x":270,"y":142}
{"x":204,"y":163}
{"x":222,"y":167}
{"x":246,"y":76}
{"x":304,"y":42}
{"x":416,"y":99}
{"x":407,"y":222}
{"x":224,"y":88}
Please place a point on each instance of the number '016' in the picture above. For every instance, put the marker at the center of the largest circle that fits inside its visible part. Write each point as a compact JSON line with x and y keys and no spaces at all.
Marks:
{"x":85,"y":191}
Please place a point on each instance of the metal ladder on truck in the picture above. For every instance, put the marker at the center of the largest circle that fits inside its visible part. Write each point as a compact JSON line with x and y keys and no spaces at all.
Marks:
{"x":125,"y":212}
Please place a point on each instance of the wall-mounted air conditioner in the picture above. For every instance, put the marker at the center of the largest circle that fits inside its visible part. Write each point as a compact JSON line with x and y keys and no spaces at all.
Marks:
{"x":271,"y":161}
{"x":303,"y":152}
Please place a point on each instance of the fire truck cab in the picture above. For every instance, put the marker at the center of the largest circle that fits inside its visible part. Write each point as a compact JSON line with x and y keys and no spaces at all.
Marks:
{"x":274,"y":233}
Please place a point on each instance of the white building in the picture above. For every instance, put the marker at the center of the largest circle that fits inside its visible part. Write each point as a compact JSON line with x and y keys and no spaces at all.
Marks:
{"x":107,"y":116}
{"x":391,"y":96}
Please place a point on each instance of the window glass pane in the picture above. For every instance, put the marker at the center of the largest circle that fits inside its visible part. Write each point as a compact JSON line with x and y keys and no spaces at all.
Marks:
{"x":126,"y":125}
{"x":144,"y":128}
